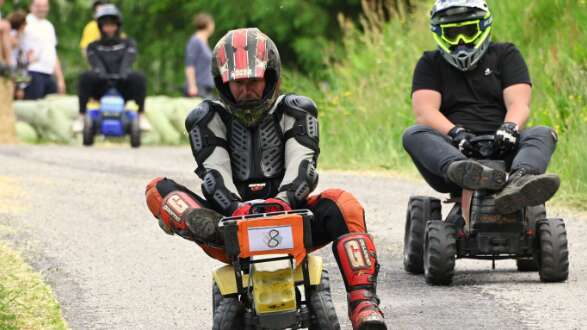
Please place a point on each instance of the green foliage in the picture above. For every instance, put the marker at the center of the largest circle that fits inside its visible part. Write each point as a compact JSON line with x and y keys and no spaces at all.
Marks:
{"x":366,"y":104}
{"x":305,"y":31}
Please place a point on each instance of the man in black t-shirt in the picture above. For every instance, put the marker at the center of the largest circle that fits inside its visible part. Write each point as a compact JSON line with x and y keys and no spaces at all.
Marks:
{"x":471,"y":86}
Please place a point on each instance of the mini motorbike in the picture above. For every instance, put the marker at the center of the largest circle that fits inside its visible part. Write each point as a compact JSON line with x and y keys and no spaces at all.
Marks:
{"x":111,"y":119}
{"x":473,"y":229}
{"x":272,"y":281}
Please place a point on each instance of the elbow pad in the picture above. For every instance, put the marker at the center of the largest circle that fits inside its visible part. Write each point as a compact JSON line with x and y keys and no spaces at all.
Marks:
{"x":303,"y":185}
{"x":217,"y":194}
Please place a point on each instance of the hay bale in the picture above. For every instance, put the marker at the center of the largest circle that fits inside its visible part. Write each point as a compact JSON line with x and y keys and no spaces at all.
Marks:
{"x":7,"y":118}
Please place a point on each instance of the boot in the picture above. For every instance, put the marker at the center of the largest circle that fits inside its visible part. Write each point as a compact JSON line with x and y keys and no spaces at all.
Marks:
{"x":357,"y":259}
{"x":525,"y":189}
{"x":472,"y":175}
{"x":179,"y":213}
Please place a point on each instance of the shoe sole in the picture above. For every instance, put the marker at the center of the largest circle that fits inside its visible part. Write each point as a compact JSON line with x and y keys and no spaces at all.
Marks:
{"x":474,"y":176}
{"x":202,"y":223}
{"x":535,"y":192}
{"x":373,"y":325}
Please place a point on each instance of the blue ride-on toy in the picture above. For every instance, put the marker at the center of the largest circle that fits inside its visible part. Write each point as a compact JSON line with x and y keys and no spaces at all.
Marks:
{"x":111,"y":119}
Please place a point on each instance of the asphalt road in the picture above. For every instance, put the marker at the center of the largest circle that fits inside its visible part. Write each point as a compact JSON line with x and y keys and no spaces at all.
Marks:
{"x":79,"y":216}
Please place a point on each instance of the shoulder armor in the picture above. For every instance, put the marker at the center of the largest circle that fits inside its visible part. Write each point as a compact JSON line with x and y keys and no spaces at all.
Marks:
{"x":298,"y":103}
{"x":198,"y":114}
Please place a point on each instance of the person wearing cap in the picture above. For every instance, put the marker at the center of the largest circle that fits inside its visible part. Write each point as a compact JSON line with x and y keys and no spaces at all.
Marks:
{"x":472,"y":86}
{"x":254,"y":145}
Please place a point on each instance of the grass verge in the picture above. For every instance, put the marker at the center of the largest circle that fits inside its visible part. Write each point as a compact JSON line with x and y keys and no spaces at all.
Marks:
{"x":26,"y":302}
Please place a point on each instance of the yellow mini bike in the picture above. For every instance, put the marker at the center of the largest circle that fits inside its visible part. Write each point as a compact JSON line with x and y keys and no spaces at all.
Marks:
{"x":272,"y":282}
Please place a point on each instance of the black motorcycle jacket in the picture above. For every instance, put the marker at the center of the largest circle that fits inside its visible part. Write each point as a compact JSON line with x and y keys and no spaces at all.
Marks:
{"x":276,"y":158}
{"x":112,"y":55}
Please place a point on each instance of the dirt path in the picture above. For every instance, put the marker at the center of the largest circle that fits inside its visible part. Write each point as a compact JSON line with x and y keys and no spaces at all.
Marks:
{"x":81,"y":218}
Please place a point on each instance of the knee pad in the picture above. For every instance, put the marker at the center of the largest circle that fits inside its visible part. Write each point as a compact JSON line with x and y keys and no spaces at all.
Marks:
{"x":352,"y":211}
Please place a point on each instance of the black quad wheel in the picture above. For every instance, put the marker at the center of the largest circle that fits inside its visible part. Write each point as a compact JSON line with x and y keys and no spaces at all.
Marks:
{"x":439,"y":253}
{"x":135,"y":133}
{"x":420,"y":210}
{"x":88,"y":131}
{"x":322,"y":306}
{"x":553,"y":260}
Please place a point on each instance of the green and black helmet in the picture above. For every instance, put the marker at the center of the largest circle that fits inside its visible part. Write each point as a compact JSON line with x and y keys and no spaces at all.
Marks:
{"x":462,"y":30}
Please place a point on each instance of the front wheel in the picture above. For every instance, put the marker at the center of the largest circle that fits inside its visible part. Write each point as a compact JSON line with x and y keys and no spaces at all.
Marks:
{"x":439,"y":253}
{"x":135,"y":133}
{"x":553,"y":250}
{"x":229,"y":315}
{"x":88,"y":131}
{"x":321,"y":300}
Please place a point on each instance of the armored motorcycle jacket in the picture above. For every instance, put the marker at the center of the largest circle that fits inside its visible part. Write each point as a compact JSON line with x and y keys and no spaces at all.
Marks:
{"x":275,"y":158}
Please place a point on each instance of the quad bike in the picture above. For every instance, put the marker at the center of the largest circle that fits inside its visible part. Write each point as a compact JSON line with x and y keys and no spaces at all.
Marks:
{"x":111,"y":119}
{"x":473,"y":229}
{"x":272,"y":282}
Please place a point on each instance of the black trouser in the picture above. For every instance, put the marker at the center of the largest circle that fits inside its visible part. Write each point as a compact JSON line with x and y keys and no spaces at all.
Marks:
{"x":432,"y":152}
{"x":133,"y":87}
{"x":41,"y":85}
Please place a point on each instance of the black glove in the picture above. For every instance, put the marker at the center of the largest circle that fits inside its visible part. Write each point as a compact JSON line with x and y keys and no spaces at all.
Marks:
{"x":506,"y":137}
{"x":460,"y":138}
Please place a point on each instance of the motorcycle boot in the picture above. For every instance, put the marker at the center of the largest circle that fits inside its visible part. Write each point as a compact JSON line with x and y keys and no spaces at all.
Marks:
{"x":472,"y":175}
{"x":525,"y":189}
{"x":181,"y":214}
{"x":357,"y":259}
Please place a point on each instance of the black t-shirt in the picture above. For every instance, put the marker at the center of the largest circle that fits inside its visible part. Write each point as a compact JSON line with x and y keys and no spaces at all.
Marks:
{"x":473,"y":99}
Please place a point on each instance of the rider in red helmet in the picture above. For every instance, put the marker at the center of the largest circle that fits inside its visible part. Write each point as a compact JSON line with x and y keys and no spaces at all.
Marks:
{"x":258,"y":144}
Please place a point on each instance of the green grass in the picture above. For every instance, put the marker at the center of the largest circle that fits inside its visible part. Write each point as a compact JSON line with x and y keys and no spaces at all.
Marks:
{"x":366,"y":104}
{"x":25,"y":301}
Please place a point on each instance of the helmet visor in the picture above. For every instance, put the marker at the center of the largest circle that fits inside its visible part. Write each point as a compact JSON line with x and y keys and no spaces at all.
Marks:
{"x":467,"y":32}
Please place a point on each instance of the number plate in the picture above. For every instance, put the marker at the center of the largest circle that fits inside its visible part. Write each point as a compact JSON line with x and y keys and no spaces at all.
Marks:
{"x":270,"y":238}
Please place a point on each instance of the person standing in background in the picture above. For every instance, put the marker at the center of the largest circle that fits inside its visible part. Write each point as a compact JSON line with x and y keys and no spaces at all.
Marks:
{"x":40,"y":37}
{"x":198,"y":58}
{"x":91,"y":31}
{"x":19,"y":57}
{"x":4,"y":41}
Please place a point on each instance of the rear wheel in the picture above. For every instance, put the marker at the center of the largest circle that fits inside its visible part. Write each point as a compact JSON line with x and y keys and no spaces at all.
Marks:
{"x":439,"y":253}
{"x":420,"y":210}
{"x":88,"y":131}
{"x":135,"y":133}
{"x":553,"y":250}
{"x":324,"y":312}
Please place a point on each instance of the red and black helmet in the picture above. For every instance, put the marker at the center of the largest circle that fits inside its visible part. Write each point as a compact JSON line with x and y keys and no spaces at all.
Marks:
{"x":246,"y":54}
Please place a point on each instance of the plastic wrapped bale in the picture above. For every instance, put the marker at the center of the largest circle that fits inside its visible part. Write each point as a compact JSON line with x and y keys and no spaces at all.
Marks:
{"x":160,"y":123}
{"x":26,"y":133}
{"x":52,"y":125}
{"x":182,"y":108}
{"x":67,"y":104}
{"x":150,"y":138}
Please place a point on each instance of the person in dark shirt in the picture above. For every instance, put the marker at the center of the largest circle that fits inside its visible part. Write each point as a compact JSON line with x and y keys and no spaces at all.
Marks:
{"x":111,"y":59}
{"x":471,"y":86}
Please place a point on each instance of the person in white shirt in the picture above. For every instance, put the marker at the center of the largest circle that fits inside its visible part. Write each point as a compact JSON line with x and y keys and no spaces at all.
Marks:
{"x":40,"y":38}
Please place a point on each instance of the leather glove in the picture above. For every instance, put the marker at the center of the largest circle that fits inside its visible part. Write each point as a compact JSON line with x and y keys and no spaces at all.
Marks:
{"x":460,"y":137}
{"x":507,"y":137}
